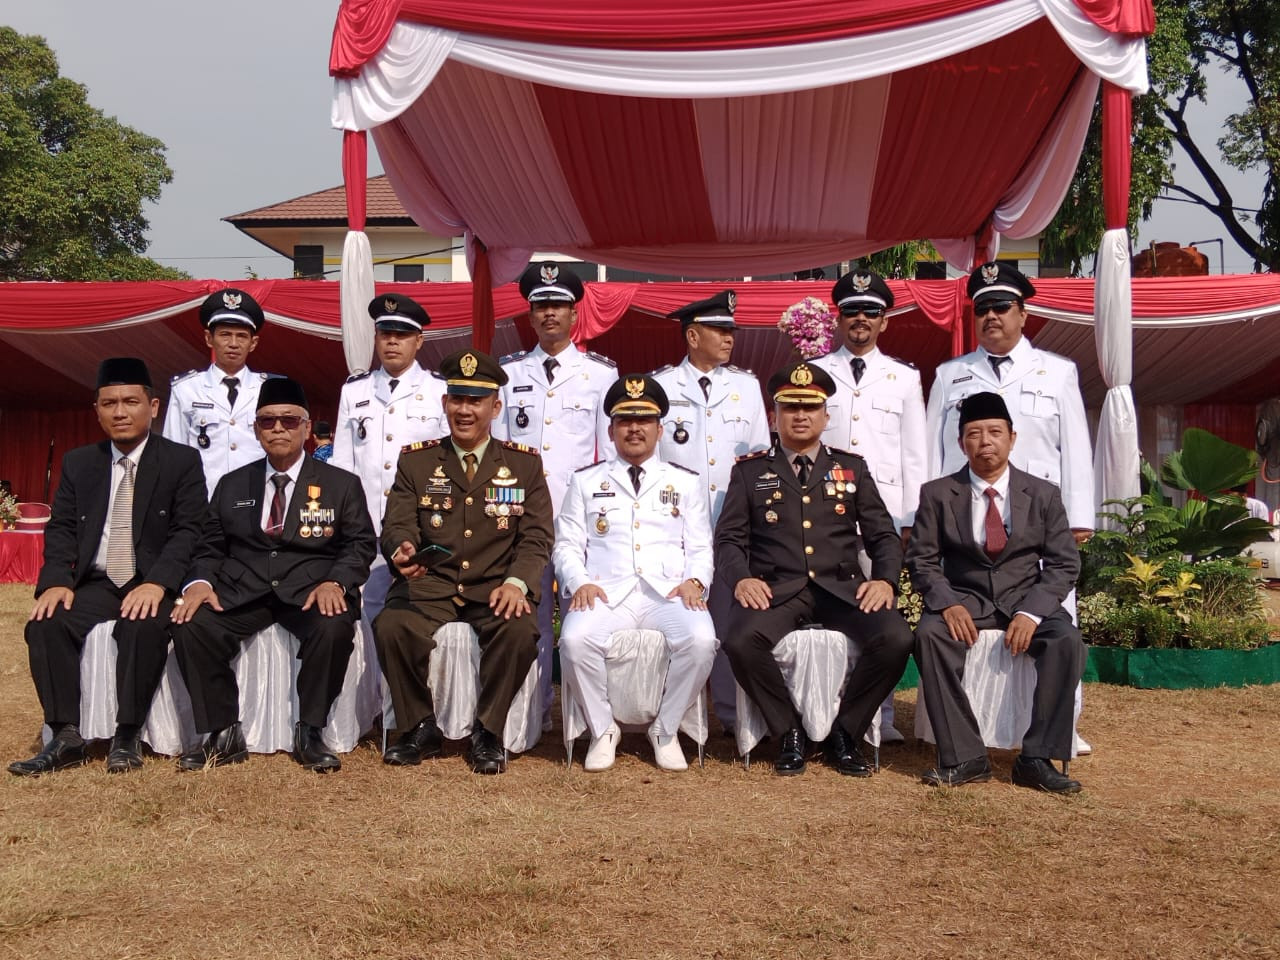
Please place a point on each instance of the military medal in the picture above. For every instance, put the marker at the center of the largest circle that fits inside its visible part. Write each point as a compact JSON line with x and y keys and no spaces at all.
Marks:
{"x":437,"y":521}
{"x":681,"y":435}
{"x":304,"y":531}
{"x":840,"y":508}
{"x":317,"y":529}
{"x":203,"y":440}
{"x":328,"y":530}
{"x":831,"y":489}
{"x":490,"y":509}
{"x":522,"y":418}
{"x":770,"y":517}
{"x":315,"y":520}
{"x":602,"y":524}
{"x":448,"y":503}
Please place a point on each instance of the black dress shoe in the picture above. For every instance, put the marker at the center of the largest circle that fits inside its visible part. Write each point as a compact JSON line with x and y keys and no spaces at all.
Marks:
{"x":415,"y":744}
{"x":487,"y":756}
{"x":791,"y":753}
{"x":1040,"y":774}
{"x":126,"y":751}
{"x":970,"y":771}
{"x":58,"y":754}
{"x":220,"y":748}
{"x":309,"y":750}
{"x":843,"y":754}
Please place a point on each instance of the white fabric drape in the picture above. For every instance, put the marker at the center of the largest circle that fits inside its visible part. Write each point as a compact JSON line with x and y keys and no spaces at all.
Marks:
{"x":1115,"y":462}
{"x":357,"y":291}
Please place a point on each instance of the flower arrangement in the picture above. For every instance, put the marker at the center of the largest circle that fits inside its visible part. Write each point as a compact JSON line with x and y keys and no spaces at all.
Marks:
{"x":8,"y":510}
{"x":811,"y":326}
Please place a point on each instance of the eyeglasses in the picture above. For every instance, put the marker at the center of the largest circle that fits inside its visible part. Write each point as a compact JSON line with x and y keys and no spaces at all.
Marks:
{"x":871,"y":313}
{"x":289,"y":422}
{"x":998,"y":307}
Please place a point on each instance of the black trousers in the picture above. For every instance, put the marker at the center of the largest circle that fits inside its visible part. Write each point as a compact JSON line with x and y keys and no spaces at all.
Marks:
{"x":209,"y":641}
{"x":1059,"y":657}
{"x":404,"y":634}
{"x":884,"y":641}
{"x":55,"y":644}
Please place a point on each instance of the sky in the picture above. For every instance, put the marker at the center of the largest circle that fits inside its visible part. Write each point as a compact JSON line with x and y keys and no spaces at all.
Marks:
{"x":239,"y":92}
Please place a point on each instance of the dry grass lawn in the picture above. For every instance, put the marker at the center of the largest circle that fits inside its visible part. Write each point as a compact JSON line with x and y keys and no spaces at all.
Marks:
{"x":1171,"y":852}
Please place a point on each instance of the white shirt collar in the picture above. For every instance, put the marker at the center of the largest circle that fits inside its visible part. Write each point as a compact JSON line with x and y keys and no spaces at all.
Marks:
{"x":979,"y":486}
{"x":134,"y":455}
{"x":1019,"y":354}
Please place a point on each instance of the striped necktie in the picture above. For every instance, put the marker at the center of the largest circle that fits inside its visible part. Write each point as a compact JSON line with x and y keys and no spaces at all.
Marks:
{"x":121,"y":565}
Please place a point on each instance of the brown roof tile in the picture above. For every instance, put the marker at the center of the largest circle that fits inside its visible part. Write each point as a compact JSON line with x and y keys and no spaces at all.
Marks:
{"x":329,"y":205}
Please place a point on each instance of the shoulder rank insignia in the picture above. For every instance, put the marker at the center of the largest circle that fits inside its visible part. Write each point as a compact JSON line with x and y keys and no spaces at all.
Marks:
{"x":359,"y":376}
{"x":521,"y":447}
{"x":905,"y":363}
{"x":752,"y":456}
{"x":271,"y":376}
{"x":681,"y":466}
{"x":730,"y":366}
{"x":420,"y":445}
{"x":513,"y":357}
{"x":601,"y":358}
{"x":669,"y":366}
{"x":182,"y":376}
{"x":590,"y":466}
{"x":833,"y":451}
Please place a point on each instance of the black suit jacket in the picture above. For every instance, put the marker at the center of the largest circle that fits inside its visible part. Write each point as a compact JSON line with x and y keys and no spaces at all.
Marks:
{"x":1035,"y":571}
{"x":168,"y":513}
{"x":788,"y":536}
{"x":244,"y":564}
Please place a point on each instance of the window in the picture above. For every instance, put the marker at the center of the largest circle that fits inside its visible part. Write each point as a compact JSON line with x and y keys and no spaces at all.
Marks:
{"x":406,"y":272}
{"x":308,"y":261}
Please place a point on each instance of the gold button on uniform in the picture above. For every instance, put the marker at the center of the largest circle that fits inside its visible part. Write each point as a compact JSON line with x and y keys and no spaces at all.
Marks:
{"x":233,"y":446}
{"x":637,"y":545}
{"x":469,"y":501}
{"x":460,"y":585}
{"x":386,"y":466}
{"x":812,"y":574}
{"x":466,"y":533}
{"x":466,"y":564}
{"x":807,"y":524}
{"x":711,"y":462}
{"x":805,"y":498}
{"x":390,"y":438}
{"x":808,"y":550}
{"x":546,"y":446}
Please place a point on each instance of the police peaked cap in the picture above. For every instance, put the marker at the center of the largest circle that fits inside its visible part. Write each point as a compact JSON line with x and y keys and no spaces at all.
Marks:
{"x":984,"y":406}
{"x":123,"y":371}
{"x":470,"y":373}
{"x":231,"y":306}
{"x":715,"y":311}
{"x":861,"y":288}
{"x":550,"y":281}
{"x":999,"y":279}
{"x":396,"y":312}
{"x":801,"y":382}
{"x":636,"y":395}
{"x":282,"y":390}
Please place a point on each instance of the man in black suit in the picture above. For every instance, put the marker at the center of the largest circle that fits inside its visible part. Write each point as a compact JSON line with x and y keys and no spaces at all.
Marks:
{"x":126,"y":518}
{"x":288,"y":545}
{"x":993,"y":550}
{"x":787,"y":540}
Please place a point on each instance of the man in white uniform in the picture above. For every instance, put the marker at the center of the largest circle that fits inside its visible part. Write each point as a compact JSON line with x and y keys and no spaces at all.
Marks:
{"x":395,"y":404}
{"x":633,"y":550}
{"x":877,"y":411}
{"x":553,"y":402}
{"x":716,"y":415}
{"x":1041,"y":390}
{"x":213,"y":409}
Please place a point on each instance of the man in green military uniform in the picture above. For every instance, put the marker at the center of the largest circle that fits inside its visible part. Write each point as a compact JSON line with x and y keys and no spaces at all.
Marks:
{"x":468,"y":532}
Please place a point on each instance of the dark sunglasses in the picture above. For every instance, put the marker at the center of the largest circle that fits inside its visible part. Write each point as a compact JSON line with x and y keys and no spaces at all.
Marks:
{"x":998,"y":307}
{"x":289,"y":423}
{"x":871,"y":313}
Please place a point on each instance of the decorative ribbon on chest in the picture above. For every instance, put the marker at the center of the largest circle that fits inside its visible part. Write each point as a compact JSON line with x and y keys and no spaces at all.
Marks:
{"x":315,"y":520}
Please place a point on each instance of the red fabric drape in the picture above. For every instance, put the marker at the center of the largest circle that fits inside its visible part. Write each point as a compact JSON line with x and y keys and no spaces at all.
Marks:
{"x":1117,"y":130}
{"x":1132,"y":17}
{"x":355,"y":174}
{"x":361,"y":30}
{"x":602,"y":306}
{"x":482,"y":316}
{"x":1233,"y":422}
{"x":21,"y":555}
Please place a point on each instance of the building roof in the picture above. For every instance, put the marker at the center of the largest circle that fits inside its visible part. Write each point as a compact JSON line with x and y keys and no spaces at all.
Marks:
{"x":328,"y":208}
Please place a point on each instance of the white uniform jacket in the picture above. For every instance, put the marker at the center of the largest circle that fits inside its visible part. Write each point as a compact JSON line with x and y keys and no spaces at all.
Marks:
{"x":609,"y":535}
{"x":1042,"y":391}
{"x":390,"y":420}
{"x":709,"y":434}
{"x":881,"y":418}
{"x":198,"y":408}
{"x":564,"y":421}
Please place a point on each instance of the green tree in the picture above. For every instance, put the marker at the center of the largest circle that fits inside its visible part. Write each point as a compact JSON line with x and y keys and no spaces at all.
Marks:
{"x":72,"y":181}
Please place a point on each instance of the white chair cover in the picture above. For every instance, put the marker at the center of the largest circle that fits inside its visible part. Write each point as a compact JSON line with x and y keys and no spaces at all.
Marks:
{"x":266,"y":670}
{"x":815,"y":663}
{"x":453,"y":677}
{"x":1000,"y":688}
{"x":635,"y":677}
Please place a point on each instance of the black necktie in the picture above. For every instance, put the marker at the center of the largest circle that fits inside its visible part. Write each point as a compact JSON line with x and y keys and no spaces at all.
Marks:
{"x":995,"y":364}
{"x":549,"y":365}
{"x":859,"y":368}
{"x":705,"y":384}
{"x":802,"y":468}
{"x":393,"y":383}
{"x":635,"y":472}
{"x":233,"y":389}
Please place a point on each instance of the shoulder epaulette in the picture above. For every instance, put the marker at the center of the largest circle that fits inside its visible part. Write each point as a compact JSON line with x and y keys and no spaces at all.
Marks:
{"x":601,"y":358}
{"x":182,"y":376}
{"x":905,"y":363}
{"x":521,"y":447}
{"x":752,"y":456}
{"x":420,"y":445}
{"x":271,"y":376}
{"x":669,"y":366}
{"x":846,"y":453}
{"x":436,"y":374}
{"x":730,"y":366}
{"x":359,"y":376}
{"x":681,"y":466}
{"x":511,"y":357}
{"x":590,"y":466}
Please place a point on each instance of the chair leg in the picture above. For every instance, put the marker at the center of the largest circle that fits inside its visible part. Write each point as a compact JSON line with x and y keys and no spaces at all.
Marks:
{"x":1066,"y":765}
{"x":746,"y":760}
{"x":875,"y":758}
{"x":702,"y":755}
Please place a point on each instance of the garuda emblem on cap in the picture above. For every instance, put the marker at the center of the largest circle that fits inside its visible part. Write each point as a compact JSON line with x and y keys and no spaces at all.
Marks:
{"x":231,"y":301}
{"x":390,"y":305}
{"x":732,"y":300}
{"x":990,"y":273}
{"x":550,"y":273}
{"x":635,"y":388}
{"x":801,"y":376}
{"x":861,"y":282}
{"x":468,"y":363}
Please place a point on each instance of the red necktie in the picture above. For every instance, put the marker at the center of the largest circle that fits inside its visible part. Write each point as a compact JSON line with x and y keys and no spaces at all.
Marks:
{"x":996,"y":537}
{"x":275,"y":520}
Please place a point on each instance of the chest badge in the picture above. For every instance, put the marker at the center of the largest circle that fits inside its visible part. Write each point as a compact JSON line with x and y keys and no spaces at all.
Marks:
{"x":203,"y":440}
{"x":522,"y":418}
{"x":681,"y":435}
{"x":602,"y":524}
{"x":770,"y":516}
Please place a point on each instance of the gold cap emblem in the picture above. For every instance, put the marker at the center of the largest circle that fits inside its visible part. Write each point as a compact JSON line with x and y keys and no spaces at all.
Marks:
{"x":390,"y":305}
{"x":635,"y":388}
{"x":469,"y":364}
{"x":801,"y":376}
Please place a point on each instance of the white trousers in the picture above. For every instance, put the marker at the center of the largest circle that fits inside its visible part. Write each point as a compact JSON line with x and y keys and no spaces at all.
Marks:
{"x":585,"y":636}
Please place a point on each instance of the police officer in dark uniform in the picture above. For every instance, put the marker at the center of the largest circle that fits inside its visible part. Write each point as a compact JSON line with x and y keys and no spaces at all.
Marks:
{"x":787,"y":540}
{"x":468,"y":532}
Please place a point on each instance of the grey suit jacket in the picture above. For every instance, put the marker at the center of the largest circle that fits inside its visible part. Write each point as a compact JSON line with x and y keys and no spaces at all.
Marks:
{"x":1035,"y":571}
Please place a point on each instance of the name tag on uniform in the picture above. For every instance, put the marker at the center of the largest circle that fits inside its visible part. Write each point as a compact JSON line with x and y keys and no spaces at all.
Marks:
{"x":679,"y":403}
{"x":363,"y":403}
{"x":244,"y":503}
{"x":764,"y":484}
{"x":603,"y":493}
{"x":523,"y":388}
{"x":202,"y":406}
{"x":962,"y":379}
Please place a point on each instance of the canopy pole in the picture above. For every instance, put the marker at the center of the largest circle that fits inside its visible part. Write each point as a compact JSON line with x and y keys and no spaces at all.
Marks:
{"x":357,"y":256}
{"x":482,"y":311}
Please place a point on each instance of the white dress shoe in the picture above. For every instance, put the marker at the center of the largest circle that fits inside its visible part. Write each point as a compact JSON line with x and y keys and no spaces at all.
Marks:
{"x":602,"y":750}
{"x":666,"y":751}
{"x":1083,"y":749}
{"x":890,"y":734}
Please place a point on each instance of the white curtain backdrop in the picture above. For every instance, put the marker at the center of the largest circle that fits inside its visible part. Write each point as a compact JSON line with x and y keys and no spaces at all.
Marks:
{"x":357,"y":291}
{"x":1115,"y":460}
